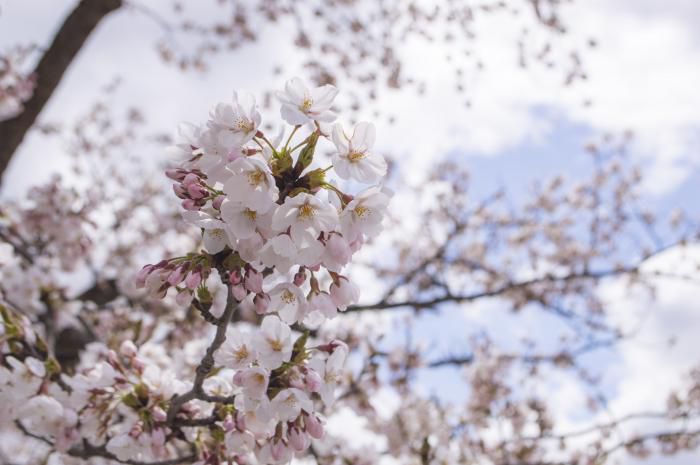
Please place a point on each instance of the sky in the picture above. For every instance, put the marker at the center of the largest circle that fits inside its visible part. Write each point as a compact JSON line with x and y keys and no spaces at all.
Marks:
{"x":520,"y":126}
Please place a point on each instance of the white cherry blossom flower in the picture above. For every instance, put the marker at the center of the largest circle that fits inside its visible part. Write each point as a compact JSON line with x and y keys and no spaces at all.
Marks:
{"x":257,"y":415}
{"x":235,"y":123}
{"x":254,"y":381}
{"x":43,"y":415}
{"x":244,"y":222}
{"x":279,"y":252}
{"x":273,"y":342}
{"x":301,"y":104}
{"x":363,"y":215}
{"x":344,"y":293}
{"x":289,"y":403}
{"x":214,"y":236}
{"x":237,"y":351}
{"x":353,"y":159}
{"x":213,"y":157}
{"x":306,"y":216}
{"x":251,"y":184}
{"x":288,"y":301}
{"x":187,"y":142}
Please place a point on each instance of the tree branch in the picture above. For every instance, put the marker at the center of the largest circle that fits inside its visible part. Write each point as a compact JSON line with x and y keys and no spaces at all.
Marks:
{"x":206,"y":364}
{"x":65,"y":46}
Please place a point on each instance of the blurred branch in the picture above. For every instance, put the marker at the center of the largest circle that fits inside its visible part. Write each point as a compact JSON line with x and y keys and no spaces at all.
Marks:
{"x":49,"y":71}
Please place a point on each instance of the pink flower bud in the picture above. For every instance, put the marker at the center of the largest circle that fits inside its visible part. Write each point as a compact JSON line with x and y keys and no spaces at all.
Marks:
{"x":253,"y":281}
{"x":180,"y":191}
{"x":158,"y":442}
{"x":314,"y":426}
{"x":278,"y":449}
{"x":190,"y":179}
{"x":235,"y":277}
{"x":142,"y":275}
{"x":137,"y":364}
{"x":235,"y":154}
{"x":136,"y":430}
{"x":240,"y":421}
{"x":128,"y":349}
{"x":113,"y":360}
{"x":262,"y":302}
{"x":176,"y":174}
{"x":313,"y":380}
{"x":298,"y":439}
{"x":176,"y":276}
{"x":159,"y":414}
{"x":300,"y":277}
{"x":190,"y":205}
{"x":229,"y":424}
{"x":239,"y":292}
{"x":216,"y":203}
{"x":193,"y":279}
{"x":196,"y":191}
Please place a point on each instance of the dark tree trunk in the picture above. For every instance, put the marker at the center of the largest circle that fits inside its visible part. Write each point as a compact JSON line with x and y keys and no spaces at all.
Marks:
{"x":53,"y":64}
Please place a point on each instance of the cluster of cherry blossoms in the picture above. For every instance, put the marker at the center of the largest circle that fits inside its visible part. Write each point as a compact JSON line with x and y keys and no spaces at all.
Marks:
{"x":278,"y":233}
{"x":265,"y":215}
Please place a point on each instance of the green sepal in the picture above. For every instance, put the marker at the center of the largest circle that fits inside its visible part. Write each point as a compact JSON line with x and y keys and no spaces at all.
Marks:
{"x":306,"y":156}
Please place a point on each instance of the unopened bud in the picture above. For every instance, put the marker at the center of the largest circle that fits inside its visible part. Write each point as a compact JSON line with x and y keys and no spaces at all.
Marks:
{"x":313,"y":381}
{"x":229,"y":423}
{"x":216,"y":203}
{"x":239,"y":292}
{"x":262,"y":302}
{"x":128,"y":349}
{"x":300,"y":277}
{"x":159,"y":414}
{"x":314,"y":426}
{"x":298,"y":439}
{"x":234,"y":277}
{"x":253,"y":281}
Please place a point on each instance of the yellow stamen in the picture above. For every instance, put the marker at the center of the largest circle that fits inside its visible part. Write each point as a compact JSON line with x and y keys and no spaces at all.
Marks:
{"x":356,"y":156}
{"x":306,"y":211}
{"x":244,"y":125}
{"x":241,"y":354}
{"x":288,"y":297}
{"x":275,"y":344}
{"x":255,"y":178}
{"x":306,"y":104}
{"x":251,"y":214}
{"x":361,"y":211}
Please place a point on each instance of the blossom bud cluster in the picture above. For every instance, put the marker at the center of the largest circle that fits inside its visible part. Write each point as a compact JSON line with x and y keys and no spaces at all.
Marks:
{"x":279,"y":231}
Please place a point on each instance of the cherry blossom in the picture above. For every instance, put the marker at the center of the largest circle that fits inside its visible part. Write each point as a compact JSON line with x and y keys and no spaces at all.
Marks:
{"x":301,"y":104}
{"x":353,"y":159}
